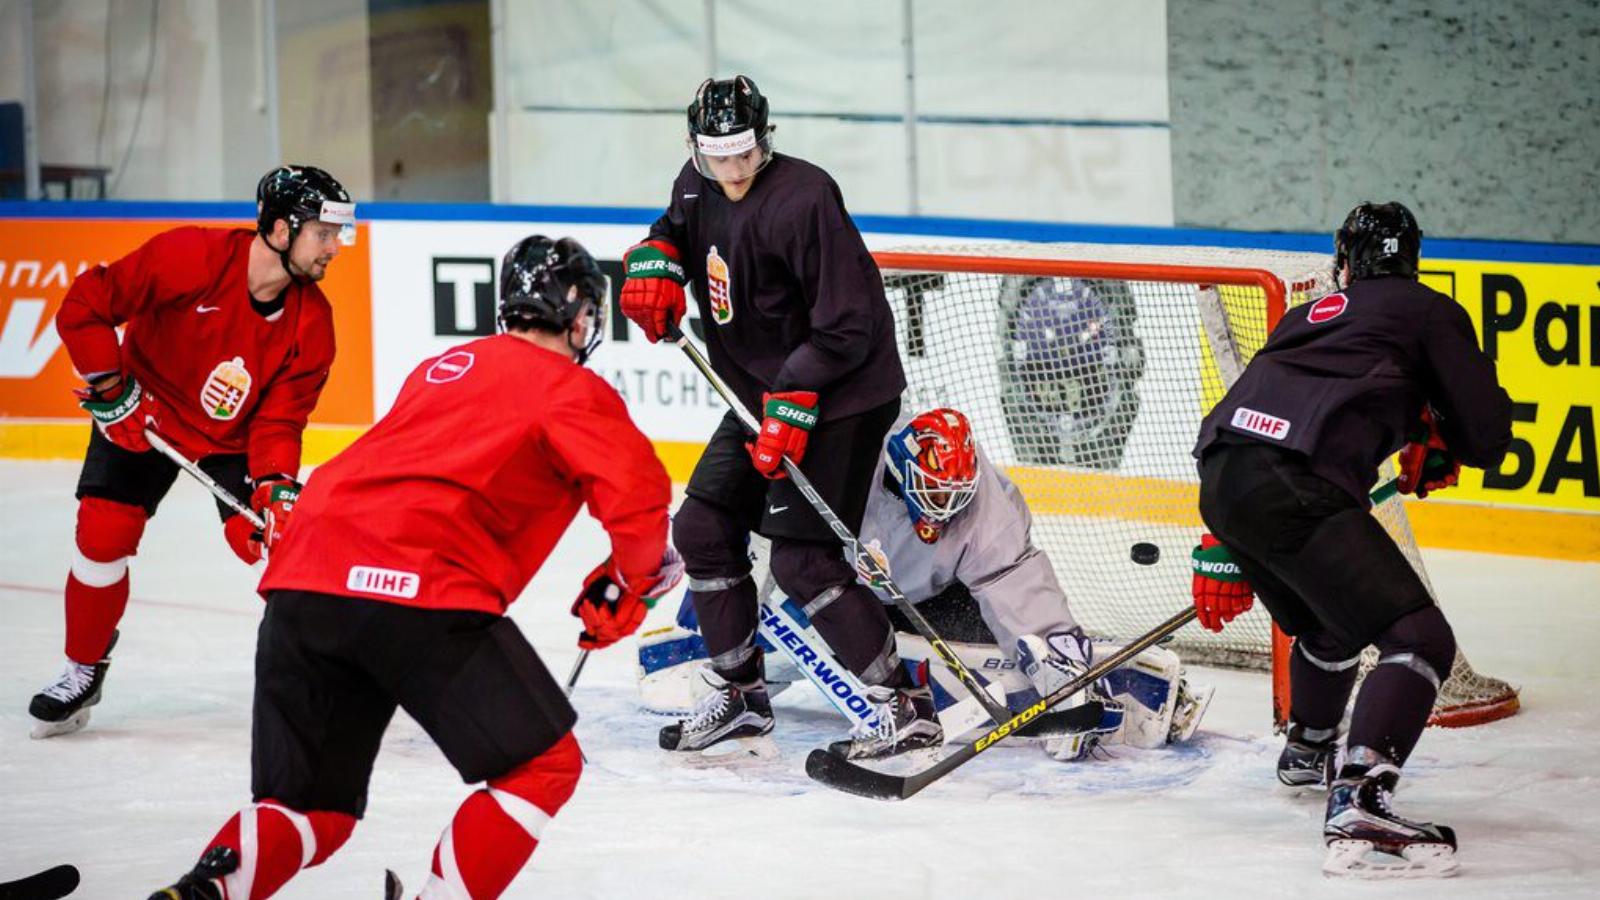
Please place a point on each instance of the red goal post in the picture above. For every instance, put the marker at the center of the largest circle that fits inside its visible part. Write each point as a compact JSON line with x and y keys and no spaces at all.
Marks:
{"x":1086,"y":370}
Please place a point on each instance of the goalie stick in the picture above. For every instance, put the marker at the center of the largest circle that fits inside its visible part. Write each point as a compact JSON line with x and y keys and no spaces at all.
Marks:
{"x":864,"y":561}
{"x":841,"y":774}
{"x":188,"y":465}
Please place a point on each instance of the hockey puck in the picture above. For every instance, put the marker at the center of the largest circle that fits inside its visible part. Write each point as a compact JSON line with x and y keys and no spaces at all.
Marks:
{"x":1145,"y":554}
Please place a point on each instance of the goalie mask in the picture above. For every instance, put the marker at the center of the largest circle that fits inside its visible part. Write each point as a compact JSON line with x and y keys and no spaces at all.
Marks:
{"x":550,"y":284}
{"x":729,"y":137}
{"x":301,"y":194}
{"x":934,"y":464}
{"x":1377,"y":239}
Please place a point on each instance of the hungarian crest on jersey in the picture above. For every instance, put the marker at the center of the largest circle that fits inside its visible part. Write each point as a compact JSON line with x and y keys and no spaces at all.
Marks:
{"x":717,"y":286}
{"x":225,"y":389}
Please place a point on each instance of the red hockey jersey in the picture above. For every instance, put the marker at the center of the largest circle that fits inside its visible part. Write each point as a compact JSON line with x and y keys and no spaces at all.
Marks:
{"x":225,"y":378}
{"x":455,"y":498}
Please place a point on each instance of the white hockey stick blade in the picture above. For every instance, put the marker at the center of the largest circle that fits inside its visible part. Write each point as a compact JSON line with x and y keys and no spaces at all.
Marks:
{"x":1351,"y":858}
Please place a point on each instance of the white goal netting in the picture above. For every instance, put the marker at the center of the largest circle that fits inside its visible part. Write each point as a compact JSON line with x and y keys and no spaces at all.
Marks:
{"x":1086,"y":370}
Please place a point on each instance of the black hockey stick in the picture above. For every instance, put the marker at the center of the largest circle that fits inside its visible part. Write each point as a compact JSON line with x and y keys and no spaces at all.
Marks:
{"x":58,"y":881}
{"x":865,"y":562}
{"x":839,"y":773}
{"x":577,"y":669}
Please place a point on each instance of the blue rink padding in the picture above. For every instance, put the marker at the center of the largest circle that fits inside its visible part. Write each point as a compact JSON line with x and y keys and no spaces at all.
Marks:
{"x":1484,"y":250}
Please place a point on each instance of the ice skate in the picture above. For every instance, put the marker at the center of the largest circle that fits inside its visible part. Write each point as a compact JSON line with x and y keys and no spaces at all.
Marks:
{"x":1365,"y":838}
{"x":907,"y":721}
{"x":1308,"y":756}
{"x":729,"y":723}
{"x":63,"y":707}
{"x":204,"y":881}
{"x":1188,"y":709}
{"x":392,"y":888}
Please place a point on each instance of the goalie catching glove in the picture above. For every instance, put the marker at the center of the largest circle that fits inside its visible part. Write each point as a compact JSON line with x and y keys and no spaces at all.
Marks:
{"x":611,"y":608}
{"x":652,"y":295}
{"x":786,"y":423}
{"x":1426,"y":464}
{"x":1220,"y":589}
{"x":122,"y":409}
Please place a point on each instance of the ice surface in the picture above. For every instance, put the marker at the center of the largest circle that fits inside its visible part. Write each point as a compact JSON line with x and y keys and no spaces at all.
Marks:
{"x":165,"y":759}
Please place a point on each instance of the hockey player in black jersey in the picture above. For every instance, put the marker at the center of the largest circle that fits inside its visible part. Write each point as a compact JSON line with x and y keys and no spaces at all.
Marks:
{"x":797,"y":324}
{"x":1286,"y":460}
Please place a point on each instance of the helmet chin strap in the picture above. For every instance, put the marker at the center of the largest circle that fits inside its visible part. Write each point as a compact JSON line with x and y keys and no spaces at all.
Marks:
{"x":283,"y":255}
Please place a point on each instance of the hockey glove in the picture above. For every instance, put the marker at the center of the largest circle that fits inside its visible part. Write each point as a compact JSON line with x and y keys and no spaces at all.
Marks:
{"x":786,"y":424}
{"x":1220,"y":590}
{"x":273,"y":500}
{"x":611,"y":608}
{"x":122,"y":409}
{"x":243,"y":538}
{"x":652,"y":295}
{"x":1426,"y":464}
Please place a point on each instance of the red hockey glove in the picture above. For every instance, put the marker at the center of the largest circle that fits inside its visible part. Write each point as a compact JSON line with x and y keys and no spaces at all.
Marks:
{"x":786,"y":424}
{"x":652,"y":295}
{"x":273,"y":500}
{"x":1220,"y":591}
{"x":122,"y":409}
{"x":243,"y":538}
{"x":1426,"y":464}
{"x":611,"y":608}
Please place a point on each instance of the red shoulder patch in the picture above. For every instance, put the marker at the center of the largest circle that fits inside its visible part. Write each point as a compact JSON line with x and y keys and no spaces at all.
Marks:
{"x":1327,"y":308}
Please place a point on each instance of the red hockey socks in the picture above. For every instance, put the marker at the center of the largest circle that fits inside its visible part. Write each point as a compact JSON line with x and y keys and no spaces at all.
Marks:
{"x":275,"y":842}
{"x":97,"y":586}
{"x":497,"y":828}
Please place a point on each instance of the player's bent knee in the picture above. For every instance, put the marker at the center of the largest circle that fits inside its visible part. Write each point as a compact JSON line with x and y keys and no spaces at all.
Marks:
{"x":108,"y":530}
{"x":1421,"y":640}
{"x":711,"y":543}
{"x":1325,"y":652}
{"x":812,"y":573}
{"x":547,"y":781}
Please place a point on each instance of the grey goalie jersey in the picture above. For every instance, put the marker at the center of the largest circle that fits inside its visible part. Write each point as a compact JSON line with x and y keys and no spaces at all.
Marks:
{"x":987,"y":547}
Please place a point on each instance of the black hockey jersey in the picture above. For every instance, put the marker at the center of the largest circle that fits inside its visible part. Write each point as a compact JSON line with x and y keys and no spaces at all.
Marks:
{"x":789,"y":295}
{"x":1343,"y":379}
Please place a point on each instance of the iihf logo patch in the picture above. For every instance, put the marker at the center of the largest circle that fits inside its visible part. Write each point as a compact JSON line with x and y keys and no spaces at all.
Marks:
{"x":225,"y":389}
{"x":718,"y":287}
{"x":1327,"y":308}
{"x":449,"y":367}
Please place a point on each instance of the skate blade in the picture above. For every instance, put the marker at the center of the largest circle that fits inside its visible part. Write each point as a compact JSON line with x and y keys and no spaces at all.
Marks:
{"x":69,"y":725}
{"x":1351,"y":858}
{"x":732,"y":754}
{"x":1200,"y":702}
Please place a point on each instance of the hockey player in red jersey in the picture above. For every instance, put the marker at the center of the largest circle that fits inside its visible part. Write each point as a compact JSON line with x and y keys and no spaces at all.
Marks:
{"x":226,"y":344}
{"x":391,"y":592}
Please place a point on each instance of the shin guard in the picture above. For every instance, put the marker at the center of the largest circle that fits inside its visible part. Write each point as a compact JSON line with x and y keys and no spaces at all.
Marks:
{"x":97,"y":586}
{"x":274,"y":843}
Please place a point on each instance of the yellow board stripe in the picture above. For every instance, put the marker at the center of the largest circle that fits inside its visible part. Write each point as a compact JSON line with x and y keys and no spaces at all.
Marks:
{"x":1440,"y":524}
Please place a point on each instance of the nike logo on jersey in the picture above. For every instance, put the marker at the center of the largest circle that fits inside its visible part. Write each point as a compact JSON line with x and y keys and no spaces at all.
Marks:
{"x":203,"y":309}
{"x":774,"y":510}
{"x":690,"y":196}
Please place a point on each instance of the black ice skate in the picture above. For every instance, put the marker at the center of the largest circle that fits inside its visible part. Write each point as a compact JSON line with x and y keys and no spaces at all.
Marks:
{"x":1308,"y":756}
{"x":204,"y":881}
{"x":63,"y":707}
{"x":725,"y":713}
{"x":1365,"y":839}
{"x":906,"y":721}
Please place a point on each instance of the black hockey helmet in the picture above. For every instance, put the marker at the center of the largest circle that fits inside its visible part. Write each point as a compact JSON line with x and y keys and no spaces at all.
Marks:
{"x":550,"y":283}
{"x":728,"y":118}
{"x":1377,"y":239}
{"x":301,"y":194}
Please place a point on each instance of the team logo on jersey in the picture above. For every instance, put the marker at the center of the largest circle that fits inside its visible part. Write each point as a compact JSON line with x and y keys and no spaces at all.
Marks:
{"x":386,"y":582}
{"x":225,"y":389}
{"x":449,"y":367}
{"x":721,"y":293}
{"x":1261,"y":423}
{"x":1326,"y":308}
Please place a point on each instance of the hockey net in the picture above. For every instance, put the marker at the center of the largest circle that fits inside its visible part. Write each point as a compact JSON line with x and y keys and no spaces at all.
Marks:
{"x":1085,"y":370}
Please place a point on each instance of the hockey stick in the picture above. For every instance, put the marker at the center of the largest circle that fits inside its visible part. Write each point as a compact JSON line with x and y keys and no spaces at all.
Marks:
{"x":839,"y":773}
{"x":865,"y":562}
{"x":58,"y":881}
{"x":577,"y":669}
{"x":188,"y":465}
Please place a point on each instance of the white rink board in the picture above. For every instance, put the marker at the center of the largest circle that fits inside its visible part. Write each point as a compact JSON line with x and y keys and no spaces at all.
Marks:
{"x":132,"y":800}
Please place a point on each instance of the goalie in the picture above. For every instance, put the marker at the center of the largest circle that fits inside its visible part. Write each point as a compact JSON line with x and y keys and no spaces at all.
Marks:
{"x":956,"y":536}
